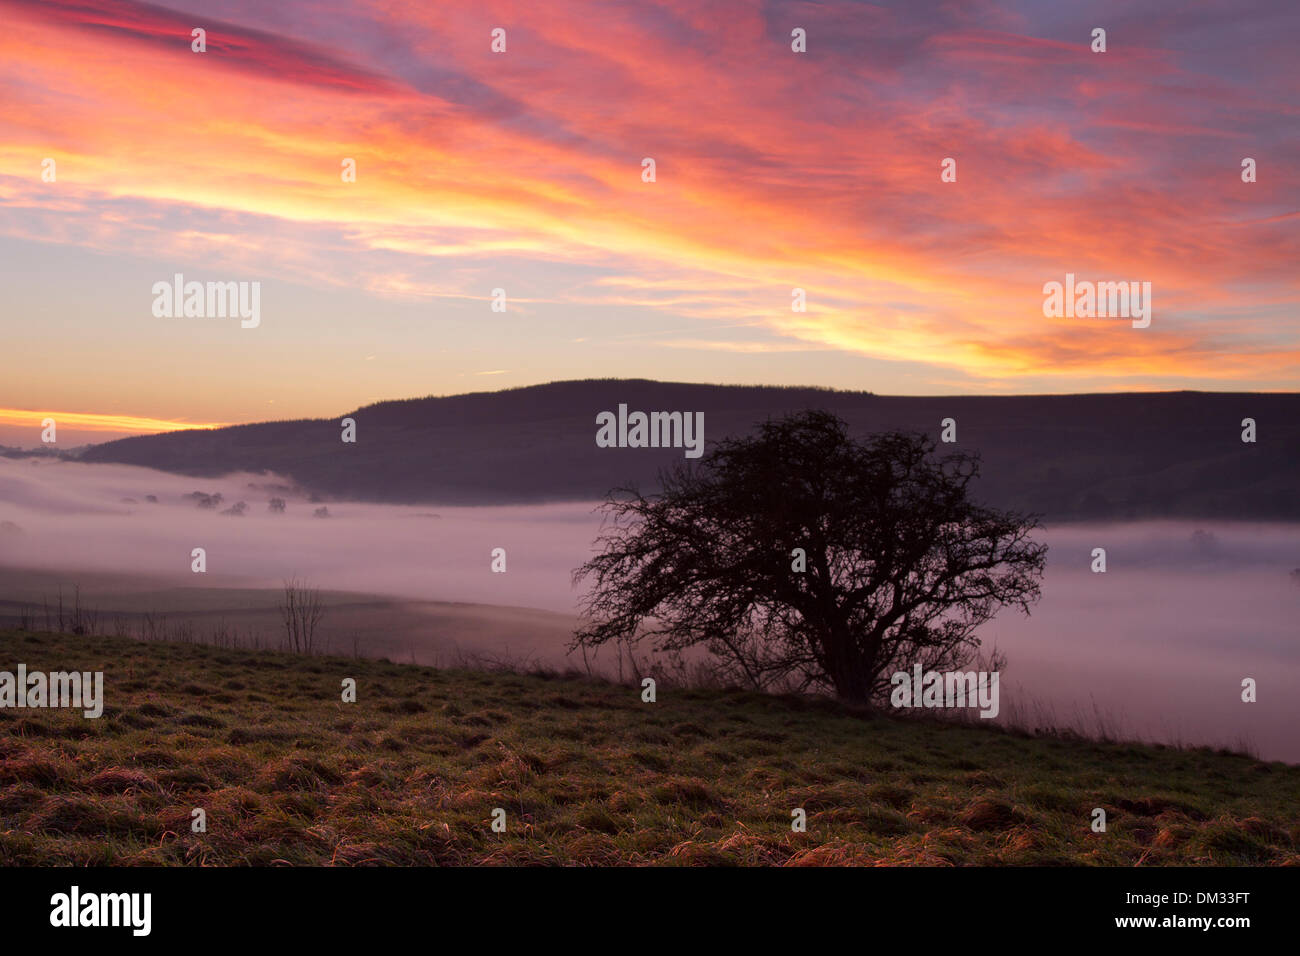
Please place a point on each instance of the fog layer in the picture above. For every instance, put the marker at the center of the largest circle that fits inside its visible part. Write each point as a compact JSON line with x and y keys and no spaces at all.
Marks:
{"x":1158,"y":645}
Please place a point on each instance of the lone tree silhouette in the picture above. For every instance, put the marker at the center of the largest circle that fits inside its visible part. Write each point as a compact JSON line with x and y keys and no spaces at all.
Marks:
{"x":901,"y":566}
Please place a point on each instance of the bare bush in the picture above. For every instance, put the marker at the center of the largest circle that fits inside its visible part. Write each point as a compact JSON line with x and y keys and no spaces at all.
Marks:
{"x":301,"y":610}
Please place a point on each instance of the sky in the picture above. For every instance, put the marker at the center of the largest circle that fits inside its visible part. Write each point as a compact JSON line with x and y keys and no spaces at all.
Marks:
{"x":523,"y":170}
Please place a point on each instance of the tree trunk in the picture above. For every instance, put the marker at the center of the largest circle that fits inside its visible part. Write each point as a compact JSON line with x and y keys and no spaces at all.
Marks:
{"x":851,"y":679}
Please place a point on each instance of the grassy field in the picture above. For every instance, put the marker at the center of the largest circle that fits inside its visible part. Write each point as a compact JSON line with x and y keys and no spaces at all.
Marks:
{"x":587,"y":774}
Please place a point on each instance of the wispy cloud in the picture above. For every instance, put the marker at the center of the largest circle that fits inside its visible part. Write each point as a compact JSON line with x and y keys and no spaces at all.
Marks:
{"x":775,"y":170}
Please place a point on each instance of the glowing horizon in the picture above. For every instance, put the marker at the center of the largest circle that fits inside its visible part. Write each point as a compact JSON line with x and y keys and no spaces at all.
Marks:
{"x":94,"y":422}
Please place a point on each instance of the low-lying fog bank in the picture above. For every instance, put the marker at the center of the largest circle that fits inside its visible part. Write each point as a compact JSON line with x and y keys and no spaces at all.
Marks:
{"x":1158,"y":645}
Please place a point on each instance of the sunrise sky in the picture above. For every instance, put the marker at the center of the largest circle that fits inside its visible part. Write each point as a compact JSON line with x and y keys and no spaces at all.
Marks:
{"x":522,"y":170}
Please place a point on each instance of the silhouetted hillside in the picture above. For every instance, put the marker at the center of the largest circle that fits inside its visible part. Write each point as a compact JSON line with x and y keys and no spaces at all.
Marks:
{"x":1068,"y":456}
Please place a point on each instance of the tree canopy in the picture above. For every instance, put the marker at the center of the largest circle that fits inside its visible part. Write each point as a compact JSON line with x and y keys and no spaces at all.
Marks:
{"x":801,"y":557}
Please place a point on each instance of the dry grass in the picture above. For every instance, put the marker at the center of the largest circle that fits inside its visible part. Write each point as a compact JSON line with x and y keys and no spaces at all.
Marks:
{"x":587,"y":774}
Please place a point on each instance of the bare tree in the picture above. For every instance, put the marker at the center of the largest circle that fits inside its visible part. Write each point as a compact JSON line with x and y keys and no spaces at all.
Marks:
{"x":801,"y":558}
{"x":301,"y":609}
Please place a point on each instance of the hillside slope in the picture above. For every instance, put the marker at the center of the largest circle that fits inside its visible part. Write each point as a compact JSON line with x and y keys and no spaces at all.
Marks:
{"x":586,"y":772}
{"x":1070,"y":456}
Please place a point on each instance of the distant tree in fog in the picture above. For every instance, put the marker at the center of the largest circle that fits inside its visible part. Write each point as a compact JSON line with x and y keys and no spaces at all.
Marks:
{"x":301,"y":610}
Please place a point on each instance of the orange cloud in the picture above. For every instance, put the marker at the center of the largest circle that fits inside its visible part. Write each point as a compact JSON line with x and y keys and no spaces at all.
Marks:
{"x":774,"y":170}
{"x":95,"y":422}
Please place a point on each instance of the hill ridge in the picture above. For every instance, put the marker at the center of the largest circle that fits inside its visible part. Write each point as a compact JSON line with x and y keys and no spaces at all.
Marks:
{"x":1069,"y":457}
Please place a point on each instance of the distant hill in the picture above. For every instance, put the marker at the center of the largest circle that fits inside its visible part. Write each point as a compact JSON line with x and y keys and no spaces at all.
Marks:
{"x":1167,"y":454}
